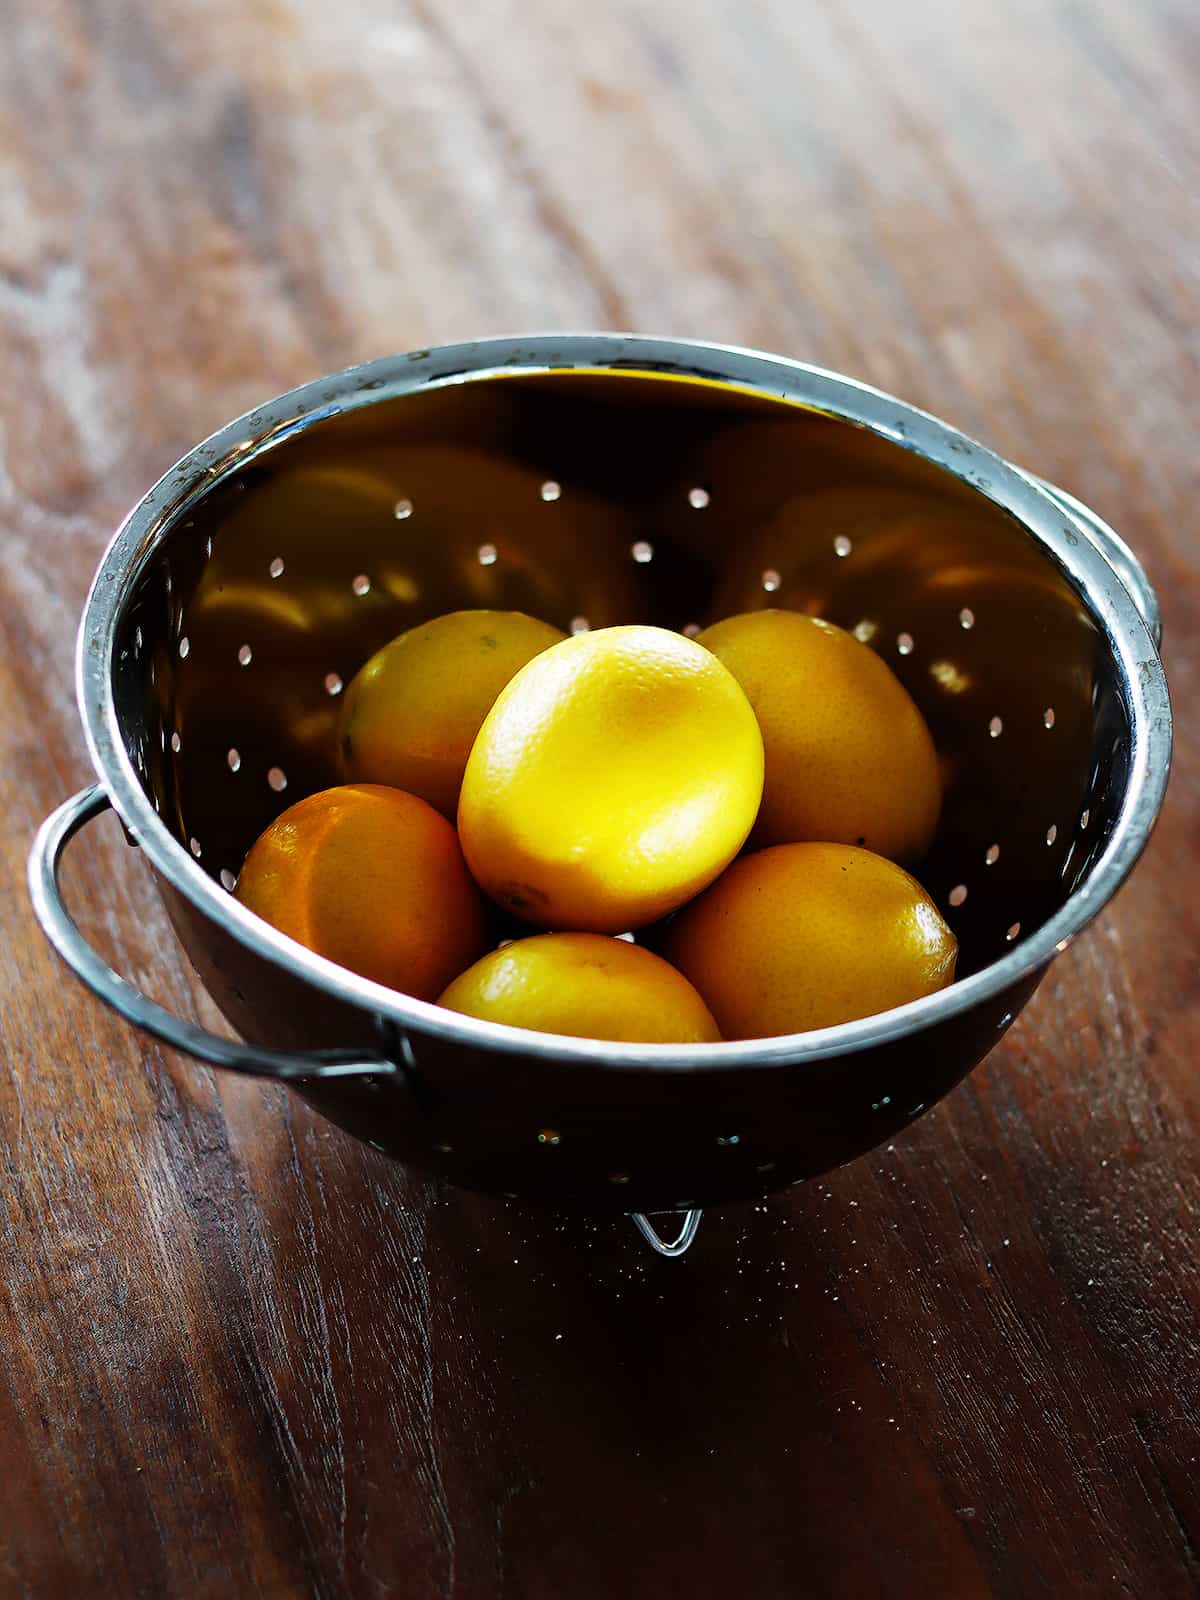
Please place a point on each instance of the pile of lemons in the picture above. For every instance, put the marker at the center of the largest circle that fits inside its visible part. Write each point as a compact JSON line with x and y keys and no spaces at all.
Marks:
{"x":744,"y":804}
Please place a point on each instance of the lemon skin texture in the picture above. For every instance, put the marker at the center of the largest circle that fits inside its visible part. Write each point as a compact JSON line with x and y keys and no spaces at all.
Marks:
{"x":412,"y":712}
{"x":586,"y":985}
{"x":614,"y":778}
{"x":804,"y":936}
{"x":849,"y":757}
{"x":373,"y":879}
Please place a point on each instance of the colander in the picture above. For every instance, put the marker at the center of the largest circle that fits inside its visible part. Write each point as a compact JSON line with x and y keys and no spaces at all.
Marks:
{"x":589,"y":480}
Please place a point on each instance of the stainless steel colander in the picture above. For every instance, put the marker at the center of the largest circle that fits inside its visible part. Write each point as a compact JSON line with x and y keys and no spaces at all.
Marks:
{"x":590,"y":480}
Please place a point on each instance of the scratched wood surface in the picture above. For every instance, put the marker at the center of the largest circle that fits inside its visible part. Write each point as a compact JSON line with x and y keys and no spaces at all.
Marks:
{"x":244,"y":1355}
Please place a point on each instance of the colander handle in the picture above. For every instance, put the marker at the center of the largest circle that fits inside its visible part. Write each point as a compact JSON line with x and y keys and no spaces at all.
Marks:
{"x":59,"y":927}
{"x":1117,"y":553}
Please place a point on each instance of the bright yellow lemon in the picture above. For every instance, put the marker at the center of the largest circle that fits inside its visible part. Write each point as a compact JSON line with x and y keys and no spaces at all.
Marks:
{"x":586,"y":985}
{"x":614,"y":777}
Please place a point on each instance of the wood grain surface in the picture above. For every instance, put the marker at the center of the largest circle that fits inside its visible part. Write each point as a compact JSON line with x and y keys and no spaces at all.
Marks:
{"x":242,"y":1354}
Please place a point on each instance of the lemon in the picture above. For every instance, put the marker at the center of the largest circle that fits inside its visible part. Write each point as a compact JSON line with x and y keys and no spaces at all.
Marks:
{"x":412,"y":712}
{"x":372,"y":879}
{"x":614,"y":777}
{"x":586,"y":985}
{"x":849,"y":758}
{"x":807,"y":935}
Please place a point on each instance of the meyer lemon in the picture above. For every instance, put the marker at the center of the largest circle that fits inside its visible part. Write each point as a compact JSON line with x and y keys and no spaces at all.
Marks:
{"x":615,"y":776}
{"x":373,"y":879}
{"x":412,"y":712}
{"x":587,"y":985}
{"x":849,"y":758}
{"x":807,"y":935}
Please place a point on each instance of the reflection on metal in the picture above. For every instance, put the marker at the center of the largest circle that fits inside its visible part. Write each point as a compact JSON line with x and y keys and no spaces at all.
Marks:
{"x":688,"y":1229}
{"x":953,"y":679}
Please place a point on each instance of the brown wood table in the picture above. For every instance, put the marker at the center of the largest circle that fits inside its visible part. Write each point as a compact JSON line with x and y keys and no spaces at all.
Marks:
{"x":240,"y":1354}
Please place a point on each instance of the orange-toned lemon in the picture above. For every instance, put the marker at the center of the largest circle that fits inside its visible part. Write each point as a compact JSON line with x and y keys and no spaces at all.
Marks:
{"x":807,"y":935}
{"x":412,"y":712}
{"x":615,"y":776}
{"x":848,"y":755}
{"x":373,"y":879}
{"x":587,"y":985}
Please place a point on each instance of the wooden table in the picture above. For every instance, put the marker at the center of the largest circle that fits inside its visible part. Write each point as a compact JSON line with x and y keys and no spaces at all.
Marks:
{"x":244,"y":1355}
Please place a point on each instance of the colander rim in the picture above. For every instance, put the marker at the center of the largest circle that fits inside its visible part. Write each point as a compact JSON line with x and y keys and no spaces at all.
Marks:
{"x":817,"y":389}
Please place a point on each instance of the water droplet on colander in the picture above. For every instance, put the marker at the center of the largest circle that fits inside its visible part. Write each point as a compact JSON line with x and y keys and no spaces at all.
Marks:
{"x":1085,"y":819}
{"x":842,"y":546}
{"x":402,"y":509}
{"x":361,"y":584}
{"x":642,"y":552}
{"x":692,"y":630}
{"x":551,"y":490}
{"x":333,"y":683}
{"x":194,"y":847}
{"x":864,"y":631}
{"x":771,"y":580}
{"x":176,"y":743}
{"x":698,"y":498}
{"x":228,"y":879}
{"x":277,"y":778}
{"x":904,"y":643}
{"x":966,"y":618}
{"x":234,"y":759}
{"x":993,"y":855}
{"x":1051,"y":833}
{"x":276,"y":567}
{"x":245,"y":655}
{"x":580,"y":625}
{"x":486,"y":555}
{"x":184,"y":647}
{"x":995,"y":727}
{"x":958,"y":894}
{"x":1012,"y":932}
{"x":1048,"y":717}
